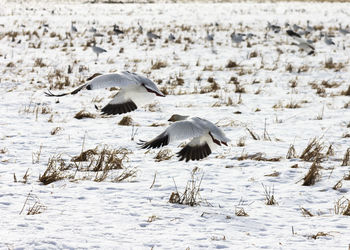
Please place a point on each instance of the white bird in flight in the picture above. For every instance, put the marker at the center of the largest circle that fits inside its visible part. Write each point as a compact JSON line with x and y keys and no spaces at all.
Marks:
{"x":205,"y":137}
{"x":301,"y":42}
{"x":135,"y":90}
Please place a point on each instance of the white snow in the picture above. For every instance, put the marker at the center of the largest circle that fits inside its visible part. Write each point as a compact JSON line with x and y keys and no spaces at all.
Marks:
{"x":84,"y":214}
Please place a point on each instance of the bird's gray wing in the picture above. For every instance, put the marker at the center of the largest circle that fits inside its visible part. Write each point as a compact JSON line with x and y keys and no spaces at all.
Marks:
{"x":177,"y":131}
{"x":112,"y":80}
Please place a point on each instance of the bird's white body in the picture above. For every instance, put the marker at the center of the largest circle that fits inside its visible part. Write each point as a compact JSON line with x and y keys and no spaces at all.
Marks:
{"x":97,"y":50}
{"x":237,"y":38}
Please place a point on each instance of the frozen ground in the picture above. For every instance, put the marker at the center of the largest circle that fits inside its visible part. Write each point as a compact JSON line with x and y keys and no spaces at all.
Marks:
{"x":283,"y":96}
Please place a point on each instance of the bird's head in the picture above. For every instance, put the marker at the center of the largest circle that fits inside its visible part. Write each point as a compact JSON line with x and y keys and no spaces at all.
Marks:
{"x":176,"y":117}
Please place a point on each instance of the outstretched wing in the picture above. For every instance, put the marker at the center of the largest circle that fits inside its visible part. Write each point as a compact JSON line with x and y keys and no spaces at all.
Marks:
{"x":50,"y":94}
{"x":145,"y":82}
{"x":177,"y":131}
{"x":112,"y":80}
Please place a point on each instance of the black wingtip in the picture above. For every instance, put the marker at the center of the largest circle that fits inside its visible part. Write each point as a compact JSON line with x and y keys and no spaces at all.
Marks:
{"x":50,"y":94}
{"x":194,"y":153}
{"x":119,"y":108}
{"x":293,"y":34}
{"x":311,"y":52}
{"x":159,"y":141}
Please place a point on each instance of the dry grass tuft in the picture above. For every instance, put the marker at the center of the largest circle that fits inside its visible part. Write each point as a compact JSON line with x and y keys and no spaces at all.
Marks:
{"x":342,"y":206}
{"x":34,"y":206}
{"x":241,"y":142}
{"x":289,"y":68}
{"x":239,"y":211}
{"x":10,"y":65}
{"x":214,"y":86}
{"x":84,"y":114}
{"x":329,"y":64}
{"x":346,"y":159}
{"x":99,"y":161}
{"x":127,"y":173}
{"x":313,"y":175}
{"x":126,"y":121}
{"x":85,"y":155}
{"x":258,"y":157}
{"x":231,"y":64}
{"x":190,"y":196}
{"x":158,"y":65}
{"x":3,"y":150}
{"x":54,"y":170}
{"x":319,"y":234}
{"x":346,"y":92}
{"x":163,"y":155}
{"x":291,"y":152}
{"x":312,"y":152}
{"x":56,"y":130}
{"x":253,"y":54}
{"x":39,"y":63}
{"x":269,"y":195}
{"x":107,"y":159}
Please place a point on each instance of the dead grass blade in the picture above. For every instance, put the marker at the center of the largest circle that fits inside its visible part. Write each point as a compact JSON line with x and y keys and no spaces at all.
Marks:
{"x":254,"y":136}
{"x":306,"y":213}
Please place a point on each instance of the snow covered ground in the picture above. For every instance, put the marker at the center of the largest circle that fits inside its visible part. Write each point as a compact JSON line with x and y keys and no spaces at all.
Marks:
{"x":284,"y":97}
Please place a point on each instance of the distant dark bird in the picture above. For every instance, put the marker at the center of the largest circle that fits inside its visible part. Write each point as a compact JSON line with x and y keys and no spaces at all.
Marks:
{"x":204,"y":134}
{"x":117,"y":30}
{"x":274,"y":28}
{"x":134,"y":90}
{"x":209,"y":37}
{"x":328,"y":40}
{"x":152,"y":36}
{"x":140,"y":28}
{"x":171,"y":37}
{"x":73,"y":29}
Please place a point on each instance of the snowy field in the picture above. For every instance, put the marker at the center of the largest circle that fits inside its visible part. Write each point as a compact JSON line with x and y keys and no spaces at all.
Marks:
{"x":282,"y":182}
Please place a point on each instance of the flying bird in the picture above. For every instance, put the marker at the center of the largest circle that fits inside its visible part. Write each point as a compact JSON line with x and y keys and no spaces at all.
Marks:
{"x":301,"y":42}
{"x":204,"y":134}
{"x":135,"y":90}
